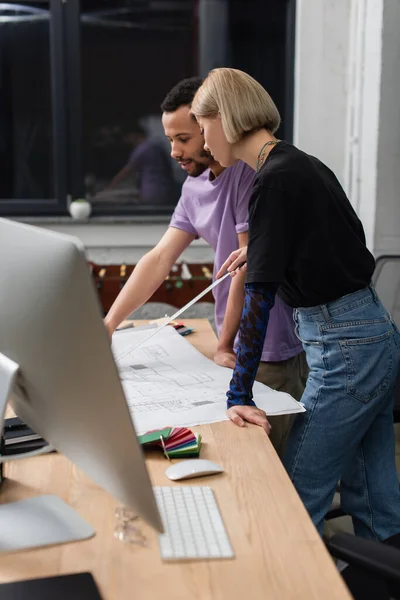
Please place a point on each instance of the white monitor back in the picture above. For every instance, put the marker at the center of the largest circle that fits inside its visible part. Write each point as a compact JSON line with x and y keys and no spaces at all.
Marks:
{"x":51,"y":325}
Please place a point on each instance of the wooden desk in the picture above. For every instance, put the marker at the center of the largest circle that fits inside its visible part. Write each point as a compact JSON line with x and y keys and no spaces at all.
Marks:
{"x":279,"y":554}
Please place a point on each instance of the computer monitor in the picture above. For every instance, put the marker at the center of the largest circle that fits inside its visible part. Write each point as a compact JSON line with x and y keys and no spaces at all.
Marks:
{"x":68,"y":389}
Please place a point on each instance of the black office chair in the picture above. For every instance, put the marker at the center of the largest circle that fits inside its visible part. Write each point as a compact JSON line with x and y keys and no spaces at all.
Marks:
{"x":386,"y":280}
{"x":373,"y":571}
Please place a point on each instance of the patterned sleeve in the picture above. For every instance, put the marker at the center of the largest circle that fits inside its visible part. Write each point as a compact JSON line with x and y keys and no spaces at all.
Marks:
{"x":258,"y":301}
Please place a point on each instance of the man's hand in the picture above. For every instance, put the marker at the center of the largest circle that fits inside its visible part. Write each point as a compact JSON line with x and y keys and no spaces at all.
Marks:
{"x":225,"y":358}
{"x":251,"y":414}
{"x":238,"y":258}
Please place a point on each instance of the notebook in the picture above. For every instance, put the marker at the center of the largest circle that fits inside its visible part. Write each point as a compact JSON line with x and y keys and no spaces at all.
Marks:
{"x":176,"y":442}
{"x":78,"y":586}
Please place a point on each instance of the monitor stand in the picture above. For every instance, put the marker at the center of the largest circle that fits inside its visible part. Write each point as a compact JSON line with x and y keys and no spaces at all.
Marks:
{"x":42,"y":520}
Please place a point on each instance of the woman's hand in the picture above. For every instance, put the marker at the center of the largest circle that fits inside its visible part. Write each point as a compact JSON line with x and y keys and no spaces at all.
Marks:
{"x":240,"y":414}
{"x":238,"y":258}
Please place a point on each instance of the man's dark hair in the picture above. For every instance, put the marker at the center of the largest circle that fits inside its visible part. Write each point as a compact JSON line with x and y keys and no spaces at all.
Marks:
{"x":182,"y":94}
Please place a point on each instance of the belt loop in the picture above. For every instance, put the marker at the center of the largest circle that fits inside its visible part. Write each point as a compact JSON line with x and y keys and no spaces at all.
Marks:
{"x":325,"y":312}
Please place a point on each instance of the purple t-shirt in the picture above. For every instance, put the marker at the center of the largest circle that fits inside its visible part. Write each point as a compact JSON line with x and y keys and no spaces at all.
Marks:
{"x":216,"y":210}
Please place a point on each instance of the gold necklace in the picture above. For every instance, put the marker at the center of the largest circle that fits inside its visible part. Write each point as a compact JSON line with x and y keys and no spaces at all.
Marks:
{"x":262,"y":154}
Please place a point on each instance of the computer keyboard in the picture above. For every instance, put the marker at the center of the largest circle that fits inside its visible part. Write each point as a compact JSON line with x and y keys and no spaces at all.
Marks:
{"x":193,"y":525}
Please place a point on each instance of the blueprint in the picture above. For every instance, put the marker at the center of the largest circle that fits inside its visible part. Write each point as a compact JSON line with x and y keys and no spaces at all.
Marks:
{"x":167,"y":382}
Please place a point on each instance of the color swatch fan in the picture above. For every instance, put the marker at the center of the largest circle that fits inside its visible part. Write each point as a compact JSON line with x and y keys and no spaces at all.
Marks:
{"x":176,"y":442}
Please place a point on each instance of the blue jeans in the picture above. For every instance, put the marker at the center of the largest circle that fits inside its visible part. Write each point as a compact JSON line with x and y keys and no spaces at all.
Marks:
{"x":347,"y":434}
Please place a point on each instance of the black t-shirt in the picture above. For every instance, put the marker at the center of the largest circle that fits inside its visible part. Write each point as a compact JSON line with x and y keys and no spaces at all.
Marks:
{"x":303,"y":231}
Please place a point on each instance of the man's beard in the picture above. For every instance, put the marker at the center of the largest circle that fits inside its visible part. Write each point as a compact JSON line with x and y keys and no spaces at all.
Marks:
{"x":199,"y":167}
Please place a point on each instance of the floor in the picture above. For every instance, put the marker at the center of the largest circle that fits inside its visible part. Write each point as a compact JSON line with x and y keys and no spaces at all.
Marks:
{"x":155,"y":310}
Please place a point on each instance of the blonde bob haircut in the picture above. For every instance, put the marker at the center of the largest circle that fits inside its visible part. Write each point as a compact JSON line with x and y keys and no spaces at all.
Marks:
{"x":242,"y":102}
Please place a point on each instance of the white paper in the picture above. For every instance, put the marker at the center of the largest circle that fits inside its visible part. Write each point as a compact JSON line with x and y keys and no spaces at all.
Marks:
{"x":167,"y":382}
{"x":169,"y":320}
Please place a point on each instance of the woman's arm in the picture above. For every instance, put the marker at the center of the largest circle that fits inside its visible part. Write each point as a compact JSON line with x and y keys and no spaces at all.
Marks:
{"x":225,"y":355}
{"x":258,"y":302}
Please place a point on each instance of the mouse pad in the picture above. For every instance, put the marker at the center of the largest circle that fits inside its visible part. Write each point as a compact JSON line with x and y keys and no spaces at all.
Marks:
{"x":79,"y":586}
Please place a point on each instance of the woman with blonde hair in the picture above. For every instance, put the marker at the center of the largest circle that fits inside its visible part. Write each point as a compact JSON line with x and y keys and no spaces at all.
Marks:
{"x":307,"y":245}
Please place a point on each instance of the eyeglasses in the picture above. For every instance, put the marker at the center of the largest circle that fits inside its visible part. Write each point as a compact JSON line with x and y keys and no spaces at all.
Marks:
{"x":126,"y":530}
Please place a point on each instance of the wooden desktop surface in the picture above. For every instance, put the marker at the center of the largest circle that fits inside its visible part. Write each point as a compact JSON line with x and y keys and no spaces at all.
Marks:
{"x":279,"y":554}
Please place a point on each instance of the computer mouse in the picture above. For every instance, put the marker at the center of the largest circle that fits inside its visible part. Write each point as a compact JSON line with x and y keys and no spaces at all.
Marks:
{"x":196,"y":467}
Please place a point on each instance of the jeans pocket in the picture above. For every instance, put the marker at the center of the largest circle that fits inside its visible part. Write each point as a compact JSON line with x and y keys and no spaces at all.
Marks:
{"x":369,"y":365}
{"x":310,"y":342}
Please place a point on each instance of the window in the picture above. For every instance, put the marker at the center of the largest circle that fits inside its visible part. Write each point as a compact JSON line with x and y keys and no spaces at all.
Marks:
{"x":262,"y":44}
{"x":81,"y":83}
{"x":132,"y":54}
{"x":29,"y":117}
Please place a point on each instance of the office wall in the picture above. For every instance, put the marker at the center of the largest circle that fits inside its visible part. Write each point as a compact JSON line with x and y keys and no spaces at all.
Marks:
{"x":347,"y":82}
{"x":124,"y":242}
{"x":387,"y":223}
{"x":363,"y":110}
{"x":321,"y":86}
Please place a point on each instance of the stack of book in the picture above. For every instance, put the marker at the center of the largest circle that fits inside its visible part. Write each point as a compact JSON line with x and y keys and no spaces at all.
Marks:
{"x":19,"y":438}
